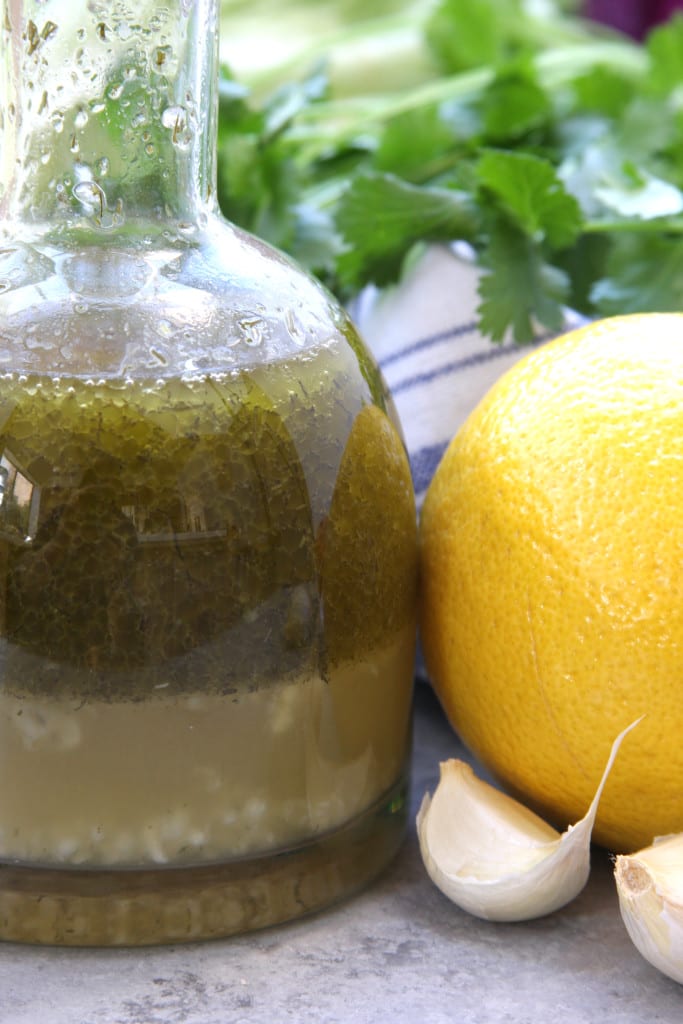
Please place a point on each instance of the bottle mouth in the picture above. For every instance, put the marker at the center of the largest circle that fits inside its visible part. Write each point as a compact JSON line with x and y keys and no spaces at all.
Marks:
{"x":129,"y":131}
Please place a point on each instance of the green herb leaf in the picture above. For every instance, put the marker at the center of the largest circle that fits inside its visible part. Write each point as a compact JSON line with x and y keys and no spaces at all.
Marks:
{"x":291,"y":99}
{"x":314,"y":241}
{"x":603,"y":91}
{"x":521,"y":289}
{"x":467,"y":33}
{"x":416,"y":145}
{"x":644,"y":274}
{"x":380,"y":217}
{"x":528,"y":189}
{"x":514,"y":103}
{"x":665,"y":50}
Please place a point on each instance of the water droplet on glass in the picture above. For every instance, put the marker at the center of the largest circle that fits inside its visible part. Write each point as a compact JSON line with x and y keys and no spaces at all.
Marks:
{"x":252,"y":328}
{"x":161,"y":55}
{"x":165,"y":328}
{"x":57,"y":121}
{"x":173,"y":117}
{"x":92,"y":195}
{"x":81,"y":118}
{"x":176,"y":120}
{"x":293,"y":326}
{"x":102,"y":166}
{"x":114,"y":93}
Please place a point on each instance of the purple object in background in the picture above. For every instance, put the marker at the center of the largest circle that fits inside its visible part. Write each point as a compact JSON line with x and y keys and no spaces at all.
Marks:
{"x":634,"y":17}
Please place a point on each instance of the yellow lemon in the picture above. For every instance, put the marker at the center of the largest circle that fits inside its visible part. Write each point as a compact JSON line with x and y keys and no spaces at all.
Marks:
{"x":552,"y":577}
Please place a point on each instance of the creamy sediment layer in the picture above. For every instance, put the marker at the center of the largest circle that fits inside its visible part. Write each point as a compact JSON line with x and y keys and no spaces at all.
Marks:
{"x":199,"y":778}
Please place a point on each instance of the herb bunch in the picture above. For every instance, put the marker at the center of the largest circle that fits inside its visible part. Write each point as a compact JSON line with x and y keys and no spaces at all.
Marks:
{"x":554,"y":149}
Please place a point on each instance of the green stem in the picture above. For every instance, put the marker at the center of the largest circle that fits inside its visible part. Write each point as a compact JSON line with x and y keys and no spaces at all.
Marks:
{"x":331,"y":124}
{"x":654,"y":225}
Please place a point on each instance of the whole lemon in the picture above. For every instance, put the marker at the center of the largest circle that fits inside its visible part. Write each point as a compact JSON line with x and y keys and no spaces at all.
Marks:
{"x":552,"y":577}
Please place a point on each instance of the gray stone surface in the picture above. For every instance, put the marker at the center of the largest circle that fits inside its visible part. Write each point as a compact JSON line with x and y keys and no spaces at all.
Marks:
{"x":397,"y":952}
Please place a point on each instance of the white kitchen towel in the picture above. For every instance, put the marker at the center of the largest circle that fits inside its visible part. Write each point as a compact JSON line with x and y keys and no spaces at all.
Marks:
{"x":437,"y":365}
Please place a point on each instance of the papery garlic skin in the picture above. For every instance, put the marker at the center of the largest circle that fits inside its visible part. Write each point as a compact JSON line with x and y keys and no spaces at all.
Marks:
{"x":495,"y":858}
{"x":650,"y":888}
{"x":509,"y":864}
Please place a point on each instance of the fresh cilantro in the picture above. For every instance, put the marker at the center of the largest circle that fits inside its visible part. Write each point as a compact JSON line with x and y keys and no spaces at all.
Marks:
{"x":381,"y":217}
{"x":645,"y":131}
{"x":529,"y":190}
{"x":602,"y":90}
{"x":645,"y":274}
{"x":417,"y":145}
{"x":665,"y":49}
{"x":584,"y":264}
{"x":260,"y":182}
{"x":514,"y":104}
{"x":468,"y":33}
{"x":555,"y":151}
{"x":290,"y":100}
{"x":520,"y":290}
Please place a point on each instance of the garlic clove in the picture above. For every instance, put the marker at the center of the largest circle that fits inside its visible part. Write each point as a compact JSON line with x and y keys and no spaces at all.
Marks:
{"x":650,"y":888}
{"x":495,"y":858}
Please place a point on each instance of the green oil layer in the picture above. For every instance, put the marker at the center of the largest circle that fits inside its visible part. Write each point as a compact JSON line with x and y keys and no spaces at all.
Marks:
{"x":205,"y":534}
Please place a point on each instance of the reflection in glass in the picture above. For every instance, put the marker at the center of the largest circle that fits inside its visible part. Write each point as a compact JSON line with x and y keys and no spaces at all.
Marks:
{"x":19,"y":500}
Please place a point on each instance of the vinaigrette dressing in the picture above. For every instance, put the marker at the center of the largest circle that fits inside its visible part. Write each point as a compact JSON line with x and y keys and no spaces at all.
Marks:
{"x":208,"y":556}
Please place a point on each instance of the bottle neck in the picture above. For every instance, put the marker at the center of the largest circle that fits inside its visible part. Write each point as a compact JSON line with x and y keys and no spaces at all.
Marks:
{"x":108,"y":114}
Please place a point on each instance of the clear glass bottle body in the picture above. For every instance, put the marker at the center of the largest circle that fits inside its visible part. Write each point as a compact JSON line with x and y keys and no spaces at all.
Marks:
{"x":207,"y":530}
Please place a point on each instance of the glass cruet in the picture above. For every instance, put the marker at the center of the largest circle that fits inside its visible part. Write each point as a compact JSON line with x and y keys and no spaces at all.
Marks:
{"x":207,"y":527}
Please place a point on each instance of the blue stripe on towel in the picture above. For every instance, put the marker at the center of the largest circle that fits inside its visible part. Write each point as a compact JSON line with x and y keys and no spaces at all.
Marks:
{"x":423,"y":464}
{"x":458,"y":331}
{"x":495,"y":352}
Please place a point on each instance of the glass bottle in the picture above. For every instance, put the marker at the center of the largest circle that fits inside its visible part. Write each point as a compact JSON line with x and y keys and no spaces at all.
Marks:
{"x":207,"y":528}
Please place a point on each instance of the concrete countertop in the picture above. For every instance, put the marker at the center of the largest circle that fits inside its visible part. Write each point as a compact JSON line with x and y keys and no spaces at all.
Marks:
{"x":397,"y":952}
